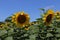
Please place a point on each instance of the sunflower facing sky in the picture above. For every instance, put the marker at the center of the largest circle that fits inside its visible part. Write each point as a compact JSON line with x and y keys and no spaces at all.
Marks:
{"x":20,"y":19}
{"x":48,"y":17}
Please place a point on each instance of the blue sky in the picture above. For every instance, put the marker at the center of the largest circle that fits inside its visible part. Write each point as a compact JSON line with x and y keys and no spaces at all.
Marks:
{"x":9,"y":7}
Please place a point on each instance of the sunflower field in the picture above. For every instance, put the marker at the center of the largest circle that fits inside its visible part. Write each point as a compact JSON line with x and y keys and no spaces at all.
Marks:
{"x":19,"y":27}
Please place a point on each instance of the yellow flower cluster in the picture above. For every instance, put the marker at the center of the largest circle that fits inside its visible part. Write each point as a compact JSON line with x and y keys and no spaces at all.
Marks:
{"x":22,"y":19}
{"x":50,"y":15}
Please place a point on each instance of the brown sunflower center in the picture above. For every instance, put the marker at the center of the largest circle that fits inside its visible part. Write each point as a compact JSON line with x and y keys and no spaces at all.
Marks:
{"x":21,"y":19}
{"x":58,"y":13}
{"x":49,"y":18}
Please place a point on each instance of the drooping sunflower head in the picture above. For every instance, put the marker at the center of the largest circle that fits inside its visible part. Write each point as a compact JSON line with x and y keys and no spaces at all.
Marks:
{"x":48,"y":17}
{"x":21,"y":19}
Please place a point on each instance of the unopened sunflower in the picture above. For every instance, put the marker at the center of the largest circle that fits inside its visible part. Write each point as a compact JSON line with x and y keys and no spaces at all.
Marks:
{"x":48,"y":17}
{"x":20,"y":19}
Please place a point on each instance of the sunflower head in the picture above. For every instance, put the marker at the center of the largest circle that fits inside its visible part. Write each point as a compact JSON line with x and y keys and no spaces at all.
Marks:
{"x":27,"y":28}
{"x":57,"y":13}
{"x":1,"y":26}
{"x":20,"y":19}
{"x":48,"y":17}
{"x":57,"y":16}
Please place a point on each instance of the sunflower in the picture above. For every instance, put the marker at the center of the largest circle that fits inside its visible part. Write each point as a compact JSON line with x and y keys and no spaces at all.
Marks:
{"x":7,"y":23}
{"x":32,"y":23}
{"x":48,"y":17}
{"x":2,"y":26}
{"x":20,"y":19}
{"x":57,"y":15}
{"x":27,"y":28}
